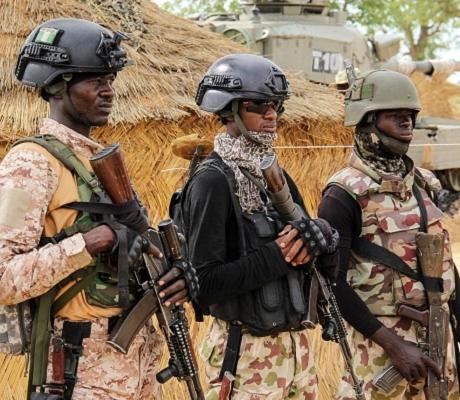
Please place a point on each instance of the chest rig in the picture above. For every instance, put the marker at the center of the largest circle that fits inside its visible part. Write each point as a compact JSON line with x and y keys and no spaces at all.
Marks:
{"x":277,"y":306}
{"x":384,"y":269}
{"x":99,"y":280}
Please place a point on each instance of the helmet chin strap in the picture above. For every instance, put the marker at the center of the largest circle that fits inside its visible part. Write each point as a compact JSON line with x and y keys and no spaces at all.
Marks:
{"x":240,"y":124}
{"x":392,"y":145}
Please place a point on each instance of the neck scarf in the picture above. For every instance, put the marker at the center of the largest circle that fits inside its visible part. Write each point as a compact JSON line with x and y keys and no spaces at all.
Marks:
{"x":370,"y":149}
{"x":239,"y":153}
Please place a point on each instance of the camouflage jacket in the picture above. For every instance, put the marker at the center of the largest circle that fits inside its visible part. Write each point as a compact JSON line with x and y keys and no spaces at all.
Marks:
{"x":31,"y":195}
{"x":391,"y":218}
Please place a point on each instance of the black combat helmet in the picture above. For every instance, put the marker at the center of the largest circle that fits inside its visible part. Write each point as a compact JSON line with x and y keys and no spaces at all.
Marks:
{"x":240,"y":76}
{"x":237,"y":77}
{"x":67,"y":46}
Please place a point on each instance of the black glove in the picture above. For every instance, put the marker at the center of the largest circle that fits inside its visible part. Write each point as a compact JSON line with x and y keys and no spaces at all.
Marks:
{"x":136,"y":220}
{"x":136,"y":245}
{"x":190,"y":276}
{"x":318,"y":236}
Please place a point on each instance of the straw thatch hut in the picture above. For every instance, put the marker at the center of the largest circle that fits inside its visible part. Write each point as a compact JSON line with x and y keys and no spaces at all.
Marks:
{"x":155,"y":105}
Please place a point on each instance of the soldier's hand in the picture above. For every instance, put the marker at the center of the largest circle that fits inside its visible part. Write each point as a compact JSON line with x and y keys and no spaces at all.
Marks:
{"x":174,"y":290}
{"x":292,"y":247}
{"x":408,"y":359}
{"x":411,"y":362}
{"x":99,"y":239}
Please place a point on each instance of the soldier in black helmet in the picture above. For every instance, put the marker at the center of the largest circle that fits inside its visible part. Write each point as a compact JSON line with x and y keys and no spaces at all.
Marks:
{"x":251,"y":268}
{"x":61,"y":256}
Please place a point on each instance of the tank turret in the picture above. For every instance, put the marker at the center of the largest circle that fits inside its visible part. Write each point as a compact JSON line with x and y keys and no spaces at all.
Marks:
{"x":302,"y":36}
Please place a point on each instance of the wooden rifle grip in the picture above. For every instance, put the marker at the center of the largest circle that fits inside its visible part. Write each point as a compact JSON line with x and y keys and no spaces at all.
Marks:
{"x":110,"y":168}
{"x":430,"y":252}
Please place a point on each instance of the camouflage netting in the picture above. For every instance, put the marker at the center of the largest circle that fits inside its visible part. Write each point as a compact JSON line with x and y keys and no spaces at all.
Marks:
{"x":155,"y":105}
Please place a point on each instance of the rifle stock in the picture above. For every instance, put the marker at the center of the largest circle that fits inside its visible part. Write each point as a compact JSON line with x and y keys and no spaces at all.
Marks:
{"x":430,"y":251}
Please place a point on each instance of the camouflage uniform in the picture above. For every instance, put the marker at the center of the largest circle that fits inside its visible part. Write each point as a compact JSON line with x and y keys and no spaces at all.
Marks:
{"x":271,"y":367}
{"x":34,"y":186}
{"x":391,"y":218}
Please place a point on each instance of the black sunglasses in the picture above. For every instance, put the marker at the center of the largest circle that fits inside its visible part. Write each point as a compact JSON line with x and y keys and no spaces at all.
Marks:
{"x":261,"y":106}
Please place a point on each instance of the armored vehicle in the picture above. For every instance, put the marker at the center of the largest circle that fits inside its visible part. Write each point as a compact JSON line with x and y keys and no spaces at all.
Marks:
{"x":302,"y":36}
{"x":305,"y":35}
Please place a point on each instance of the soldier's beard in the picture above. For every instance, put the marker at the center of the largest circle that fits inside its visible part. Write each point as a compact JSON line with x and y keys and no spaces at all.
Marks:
{"x":241,"y":152}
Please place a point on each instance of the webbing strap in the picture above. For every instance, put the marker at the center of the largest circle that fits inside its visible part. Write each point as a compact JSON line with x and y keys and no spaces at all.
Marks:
{"x":382,"y":255}
{"x":232,"y":351}
{"x":41,"y":334}
{"x":214,"y":163}
{"x":65,"y":155}
{"x":422,"y":208}
{"x":70,"y":293}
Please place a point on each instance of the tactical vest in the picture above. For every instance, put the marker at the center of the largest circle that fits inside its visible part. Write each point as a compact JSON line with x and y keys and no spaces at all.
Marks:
{"x":277,"y":306}
{"x":391,"y":218}
{"x":101,"y":284}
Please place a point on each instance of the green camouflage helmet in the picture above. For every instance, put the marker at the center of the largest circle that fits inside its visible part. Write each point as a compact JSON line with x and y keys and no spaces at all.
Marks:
{"x":379,"y":90}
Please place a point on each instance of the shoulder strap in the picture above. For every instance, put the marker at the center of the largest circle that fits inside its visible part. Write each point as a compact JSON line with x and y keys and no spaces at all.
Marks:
{"x":383,"y":256}
{"x":219,"y":165}
{"x":65,"y":155}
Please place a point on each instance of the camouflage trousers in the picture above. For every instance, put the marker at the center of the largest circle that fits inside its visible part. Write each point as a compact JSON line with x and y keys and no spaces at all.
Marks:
{"x":107,"y":374}
{"x":369,"y":359}
{"x":271,"y":368}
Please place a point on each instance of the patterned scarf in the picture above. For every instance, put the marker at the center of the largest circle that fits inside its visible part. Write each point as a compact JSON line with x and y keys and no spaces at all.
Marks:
{"x":369,"y":149}
{"x":239,"y":153}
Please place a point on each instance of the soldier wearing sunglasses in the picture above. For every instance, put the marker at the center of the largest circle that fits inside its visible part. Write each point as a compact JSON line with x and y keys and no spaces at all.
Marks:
{"x":241,"y":250}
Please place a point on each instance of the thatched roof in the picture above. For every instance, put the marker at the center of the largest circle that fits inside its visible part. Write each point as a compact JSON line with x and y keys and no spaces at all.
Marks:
{"x":170,"y":57}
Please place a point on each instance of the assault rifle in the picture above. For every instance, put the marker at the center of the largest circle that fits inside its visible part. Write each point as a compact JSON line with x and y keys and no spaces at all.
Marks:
{"x":330,"y":317}
{"x":430,"y":250}
{"x":110,"y":169}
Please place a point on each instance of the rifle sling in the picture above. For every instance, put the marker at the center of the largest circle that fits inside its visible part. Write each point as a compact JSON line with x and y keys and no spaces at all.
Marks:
{"x":382,"y":255}
{"x":104,"y":208}
{"x":232,"y":350}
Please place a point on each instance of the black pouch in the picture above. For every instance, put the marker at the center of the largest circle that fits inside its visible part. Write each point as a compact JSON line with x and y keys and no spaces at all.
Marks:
{"x":263,"y":226}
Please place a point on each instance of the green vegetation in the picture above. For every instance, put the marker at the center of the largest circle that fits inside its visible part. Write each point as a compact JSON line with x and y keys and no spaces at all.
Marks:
{"x":425,"y":24}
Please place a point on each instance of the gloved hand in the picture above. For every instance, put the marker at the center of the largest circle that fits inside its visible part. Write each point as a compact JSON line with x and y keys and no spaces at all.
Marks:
{"x":318,"y":236}
{"x":136,"y":245}
{"x":137,"y":220}
{"x":321,"y":241}
{"x":190,"y":276}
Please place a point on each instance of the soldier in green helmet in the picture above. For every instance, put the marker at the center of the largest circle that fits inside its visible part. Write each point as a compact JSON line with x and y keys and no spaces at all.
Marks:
{"x":381,"y":205}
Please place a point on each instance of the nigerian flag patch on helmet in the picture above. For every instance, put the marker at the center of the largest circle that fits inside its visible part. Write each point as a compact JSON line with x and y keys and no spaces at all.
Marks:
{"x":46,"y":35}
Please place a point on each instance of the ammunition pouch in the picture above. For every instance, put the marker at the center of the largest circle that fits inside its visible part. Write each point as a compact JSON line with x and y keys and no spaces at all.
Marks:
{"x":279,"y":305}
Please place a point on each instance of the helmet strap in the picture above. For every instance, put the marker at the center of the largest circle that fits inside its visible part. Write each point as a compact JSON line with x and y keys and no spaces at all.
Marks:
{"x":61,"y":89}
{"x":392,"y":145}
{"x":240,"y":124}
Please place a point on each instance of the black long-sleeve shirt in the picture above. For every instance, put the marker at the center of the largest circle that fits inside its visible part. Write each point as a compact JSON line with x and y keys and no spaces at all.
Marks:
{"x":344,"y":214}
{"x":213,"y":238}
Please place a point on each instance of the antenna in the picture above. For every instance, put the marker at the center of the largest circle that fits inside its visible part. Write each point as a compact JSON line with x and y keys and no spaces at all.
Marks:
{"x":350,"y":70}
